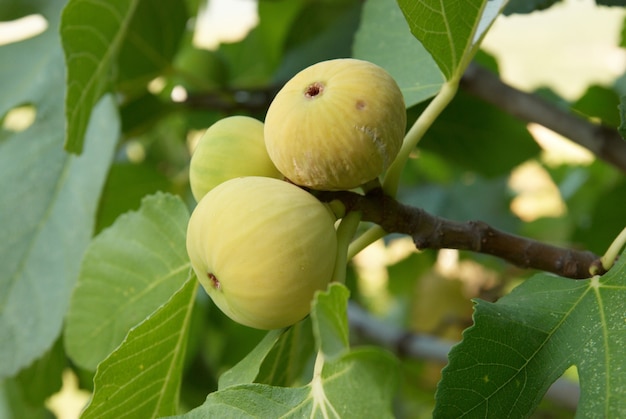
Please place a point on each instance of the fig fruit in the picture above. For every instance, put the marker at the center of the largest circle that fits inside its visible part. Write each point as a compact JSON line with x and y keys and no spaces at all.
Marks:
{"x":231,"y":147}
{"x":261,"y":247}
{"x":336,"y":124}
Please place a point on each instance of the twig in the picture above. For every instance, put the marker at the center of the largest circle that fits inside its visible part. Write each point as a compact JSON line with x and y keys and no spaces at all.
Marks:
{"x":430,"y":348}
{"x":604,"y":141}
{"x":432,"y":232}
{"x":233,"y":100}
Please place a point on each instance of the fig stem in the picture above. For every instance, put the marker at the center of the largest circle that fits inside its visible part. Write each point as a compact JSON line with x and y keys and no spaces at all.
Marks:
{"x":368,"y":237}
{"x":345,"y":232}
{"x":417,"y":131}
{"x":608,"y":259}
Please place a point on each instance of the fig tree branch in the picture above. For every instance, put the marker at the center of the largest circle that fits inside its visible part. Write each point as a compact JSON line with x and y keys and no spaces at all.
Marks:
{"x":432,"y":232}
{"x":604,"y":141}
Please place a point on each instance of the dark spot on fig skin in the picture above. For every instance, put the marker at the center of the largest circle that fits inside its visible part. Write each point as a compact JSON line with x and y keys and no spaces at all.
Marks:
{"x":361,"y":105}
{"x":313,"y":90}
{"x":214,"y":280}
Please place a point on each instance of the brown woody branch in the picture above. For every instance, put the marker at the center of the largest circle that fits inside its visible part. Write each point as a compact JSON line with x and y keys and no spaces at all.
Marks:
{"x":604,"y":141}
{"x":432,"y":232}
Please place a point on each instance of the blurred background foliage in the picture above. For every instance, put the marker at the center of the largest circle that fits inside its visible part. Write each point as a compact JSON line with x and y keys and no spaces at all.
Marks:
{"x":477,"y":162}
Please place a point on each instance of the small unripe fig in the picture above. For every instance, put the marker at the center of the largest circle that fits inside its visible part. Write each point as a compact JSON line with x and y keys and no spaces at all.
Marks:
{"x":261,"y":247}
{"x":336,"y":125}
{"x":231,"y":147}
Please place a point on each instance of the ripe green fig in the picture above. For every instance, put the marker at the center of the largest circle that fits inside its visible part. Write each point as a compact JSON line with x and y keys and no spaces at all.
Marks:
{"x":261,"y":247}
{"x":231,"y":147}
{"x":336,"y":125}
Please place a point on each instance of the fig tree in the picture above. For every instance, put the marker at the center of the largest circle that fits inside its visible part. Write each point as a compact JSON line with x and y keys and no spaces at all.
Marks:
{"x":261,"y":247}
{"x":232,"y":147}
{"x":336,"y":124}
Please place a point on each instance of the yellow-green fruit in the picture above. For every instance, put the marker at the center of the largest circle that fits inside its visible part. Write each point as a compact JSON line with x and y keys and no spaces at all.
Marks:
{"x":232,"y":147}
{"x":261,"y":247}
{"x":336,"y":125}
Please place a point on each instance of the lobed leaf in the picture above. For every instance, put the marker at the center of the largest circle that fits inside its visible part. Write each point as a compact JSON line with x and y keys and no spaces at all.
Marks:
{"x":385,"y":39}
{"x":468,"y":127}
{"x":357,"y":383}
{"x":520,"y":345}
{"x":92,"y":32}
{"x":142,"y":377}
{"x":149,"y":43}
{"x":48,"y":197}
{"x":450,"y":31}
{"x":128,"y":271}
{"x":290,"y":361}
{"x":330,"y":321}
{"x":248,"y":368}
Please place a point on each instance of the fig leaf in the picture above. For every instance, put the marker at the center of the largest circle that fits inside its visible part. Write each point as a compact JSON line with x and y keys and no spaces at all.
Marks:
{"x":521,"y":344}
{"x":128,"y":271}
{"x":142,"y":377}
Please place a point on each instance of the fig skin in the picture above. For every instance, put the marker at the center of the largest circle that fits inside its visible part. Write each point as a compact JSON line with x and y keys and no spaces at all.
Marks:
{"x":336,"y":125}
{"x":232,"y":147}
{"x":261,"y":247}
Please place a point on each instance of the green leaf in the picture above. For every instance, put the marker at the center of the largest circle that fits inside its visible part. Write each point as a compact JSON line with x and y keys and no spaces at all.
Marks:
{"x":91,"y":34}
{"x":321,"y":31}
{"x":384,"y":38}
{"x":467,"y":199}
{"x":150,"y":43}
{"x":43,"y":377}
{"x":480,"y":137}
{"x":527,"y":6}
{"x":13,"y":403}
{"x":450,"y":31}
{"x":253,"y":60}
{"x":128,"y":271}
{"x":330,"y":322}
{"x":248,"y":368}
{"x":141,"y":378}
{"x":15,"y":9}
{"x":603,"y":219}
{"x":330,"y":327}
{"x":360,"y":384}
{"x":599,"y":103}
{"x":290,"y":361}
{"x":520,"y":345}
{"x":126,"y":185}
{"x":22,"y":63}
{"x":48,"y":203}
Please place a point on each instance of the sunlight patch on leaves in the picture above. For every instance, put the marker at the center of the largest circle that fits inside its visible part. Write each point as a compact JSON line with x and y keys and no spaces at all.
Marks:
{"x":385,"y":39}
{"x":142,"y":377}
{"x":520,"y":345}
{"x":128,"y":271}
